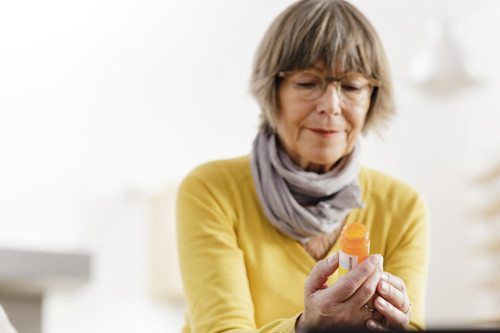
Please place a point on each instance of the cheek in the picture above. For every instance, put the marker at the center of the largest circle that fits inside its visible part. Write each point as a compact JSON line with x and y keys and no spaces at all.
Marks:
{"x":357,"y":118}
{"x":291,"y":115}
{"x":285,"y":120}
{"x":288,"y":129}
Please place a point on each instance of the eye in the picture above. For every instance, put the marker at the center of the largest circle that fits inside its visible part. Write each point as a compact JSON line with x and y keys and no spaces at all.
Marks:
{"x":353,"y":84}
{"x":306,"y":81}
{"x":307,"y":85}
{"x":350,"y":87}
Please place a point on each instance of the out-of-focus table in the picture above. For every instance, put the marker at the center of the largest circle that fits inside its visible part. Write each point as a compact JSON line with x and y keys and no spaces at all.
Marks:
{"x":26,"y":276}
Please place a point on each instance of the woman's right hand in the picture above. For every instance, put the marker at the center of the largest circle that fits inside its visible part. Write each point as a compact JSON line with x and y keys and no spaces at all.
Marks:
{"x":342,"y":304}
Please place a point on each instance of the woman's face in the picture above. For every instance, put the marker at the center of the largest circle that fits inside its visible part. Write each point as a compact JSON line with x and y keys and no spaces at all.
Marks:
{"x":318,"y":133}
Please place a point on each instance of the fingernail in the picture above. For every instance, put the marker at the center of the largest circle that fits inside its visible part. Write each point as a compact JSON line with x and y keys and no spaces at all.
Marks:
{"x":331,"y":259}
{"x":382,"y":302}
{"x":384,"y":277}
{"x":375,"y":259}
{"x":372,"y":324}
{"x":385,"y":287}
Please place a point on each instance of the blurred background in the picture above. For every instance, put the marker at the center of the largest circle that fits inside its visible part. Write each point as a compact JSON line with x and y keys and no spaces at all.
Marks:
{"x":105,"y":105}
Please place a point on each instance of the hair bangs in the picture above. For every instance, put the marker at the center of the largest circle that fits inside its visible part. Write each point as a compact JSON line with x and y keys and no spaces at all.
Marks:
{"x":330,"y":36}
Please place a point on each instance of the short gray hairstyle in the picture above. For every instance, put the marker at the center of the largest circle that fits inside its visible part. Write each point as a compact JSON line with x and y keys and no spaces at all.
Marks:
{"x":330,"y":30}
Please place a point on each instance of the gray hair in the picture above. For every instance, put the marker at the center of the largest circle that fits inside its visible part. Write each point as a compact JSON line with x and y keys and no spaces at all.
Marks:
{"x":330,"y":30}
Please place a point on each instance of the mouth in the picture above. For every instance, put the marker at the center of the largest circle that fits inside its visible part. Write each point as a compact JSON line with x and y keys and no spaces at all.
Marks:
{"x":326,"y":133}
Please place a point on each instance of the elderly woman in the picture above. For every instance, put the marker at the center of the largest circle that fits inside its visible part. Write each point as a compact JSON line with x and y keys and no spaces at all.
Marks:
{"x":258,"y":235}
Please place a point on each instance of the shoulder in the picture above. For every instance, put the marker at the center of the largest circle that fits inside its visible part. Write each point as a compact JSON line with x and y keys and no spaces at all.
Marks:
{"x":393,"y":193}
{"x":213,"y":188}
{"x":376,"y":180}
{"x":221,"y":170}
{"x":219,"y":174}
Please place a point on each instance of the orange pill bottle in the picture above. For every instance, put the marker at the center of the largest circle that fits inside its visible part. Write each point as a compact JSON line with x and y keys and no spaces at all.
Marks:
{"x":354,"y":246}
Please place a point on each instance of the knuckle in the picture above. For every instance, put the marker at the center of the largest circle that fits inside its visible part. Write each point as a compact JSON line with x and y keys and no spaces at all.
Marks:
{"x":367,"y":268}
{"x":400,"y":283}
{"x":322,"y":306}
{"x":343,"y":317}
{"x":350,"y":286}
{"x":368,"y":288}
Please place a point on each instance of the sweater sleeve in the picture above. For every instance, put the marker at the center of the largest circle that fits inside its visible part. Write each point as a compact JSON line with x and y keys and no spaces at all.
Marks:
{"x":408,"y":256}
{"x":213,"y":269}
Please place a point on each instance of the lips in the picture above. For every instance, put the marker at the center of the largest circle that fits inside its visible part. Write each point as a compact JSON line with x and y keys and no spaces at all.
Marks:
{"x":326,"y":132}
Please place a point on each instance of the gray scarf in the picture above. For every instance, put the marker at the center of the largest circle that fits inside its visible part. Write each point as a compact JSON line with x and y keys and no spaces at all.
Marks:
{"x":303,"y":204}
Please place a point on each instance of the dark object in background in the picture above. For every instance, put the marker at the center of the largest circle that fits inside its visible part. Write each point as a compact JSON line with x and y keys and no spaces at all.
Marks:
{"x":336,"y":329}
{"x":364,"y":330}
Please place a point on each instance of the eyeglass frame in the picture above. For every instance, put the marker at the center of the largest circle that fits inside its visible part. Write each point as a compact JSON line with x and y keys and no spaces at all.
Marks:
{"x":374,"y":83}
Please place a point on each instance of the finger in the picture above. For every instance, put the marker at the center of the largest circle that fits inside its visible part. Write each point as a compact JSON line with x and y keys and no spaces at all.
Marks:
{"x":366,"y":291}
{"x":320,"y":273}
{"x":346,"y":286}
{"x":374,"y":325}
{"x":394,"y":280}
{"x":394,"y":296}
{"x":394,"y":317}
{"x":380,"y":264}
{"x":377,"y":316}
{"x":371,"y":300}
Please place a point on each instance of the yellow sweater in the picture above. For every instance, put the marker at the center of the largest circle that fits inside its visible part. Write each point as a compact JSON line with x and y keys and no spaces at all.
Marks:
{"x":240,"y":274}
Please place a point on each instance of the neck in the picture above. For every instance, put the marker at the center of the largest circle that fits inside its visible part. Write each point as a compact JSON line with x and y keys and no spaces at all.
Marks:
{"x":318,"y":168}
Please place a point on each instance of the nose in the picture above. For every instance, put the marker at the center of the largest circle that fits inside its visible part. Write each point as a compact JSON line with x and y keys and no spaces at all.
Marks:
{"x":330,"y":101}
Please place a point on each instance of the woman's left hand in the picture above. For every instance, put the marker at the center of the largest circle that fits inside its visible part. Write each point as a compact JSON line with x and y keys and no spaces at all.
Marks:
{"x":392,"y":303}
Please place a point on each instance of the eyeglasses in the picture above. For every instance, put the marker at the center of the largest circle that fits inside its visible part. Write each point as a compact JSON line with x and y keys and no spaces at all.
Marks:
{"x":309,"y":85}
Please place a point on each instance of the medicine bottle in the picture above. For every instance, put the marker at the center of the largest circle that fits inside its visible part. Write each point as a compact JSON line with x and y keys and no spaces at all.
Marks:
{"x":354,"y":246}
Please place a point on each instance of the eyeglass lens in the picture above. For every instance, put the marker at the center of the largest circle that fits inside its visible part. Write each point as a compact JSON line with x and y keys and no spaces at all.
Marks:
{"x":309,"y":85}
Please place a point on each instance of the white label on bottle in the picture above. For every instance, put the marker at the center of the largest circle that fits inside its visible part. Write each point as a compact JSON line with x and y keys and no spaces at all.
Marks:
{"x":347,"y":261}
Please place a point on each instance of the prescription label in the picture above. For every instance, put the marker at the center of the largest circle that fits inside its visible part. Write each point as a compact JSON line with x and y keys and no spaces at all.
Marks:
{"x":346,"y":262}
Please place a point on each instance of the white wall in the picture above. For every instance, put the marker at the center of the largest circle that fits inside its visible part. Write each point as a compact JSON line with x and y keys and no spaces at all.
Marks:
{"x":103,"y":101}
{"x":441,"y":143}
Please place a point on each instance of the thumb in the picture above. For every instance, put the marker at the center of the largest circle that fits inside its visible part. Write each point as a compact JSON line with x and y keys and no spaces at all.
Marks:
{"x":380,"y":263}
{"x":320,"y":274}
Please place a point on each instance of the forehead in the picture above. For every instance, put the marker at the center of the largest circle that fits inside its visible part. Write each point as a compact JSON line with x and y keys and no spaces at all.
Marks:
{"x":320,"y":65}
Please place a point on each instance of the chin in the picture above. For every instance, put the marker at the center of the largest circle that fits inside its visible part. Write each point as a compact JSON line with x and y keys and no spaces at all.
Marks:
{"x":328,"y":157}
{"x":327,"y":161}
